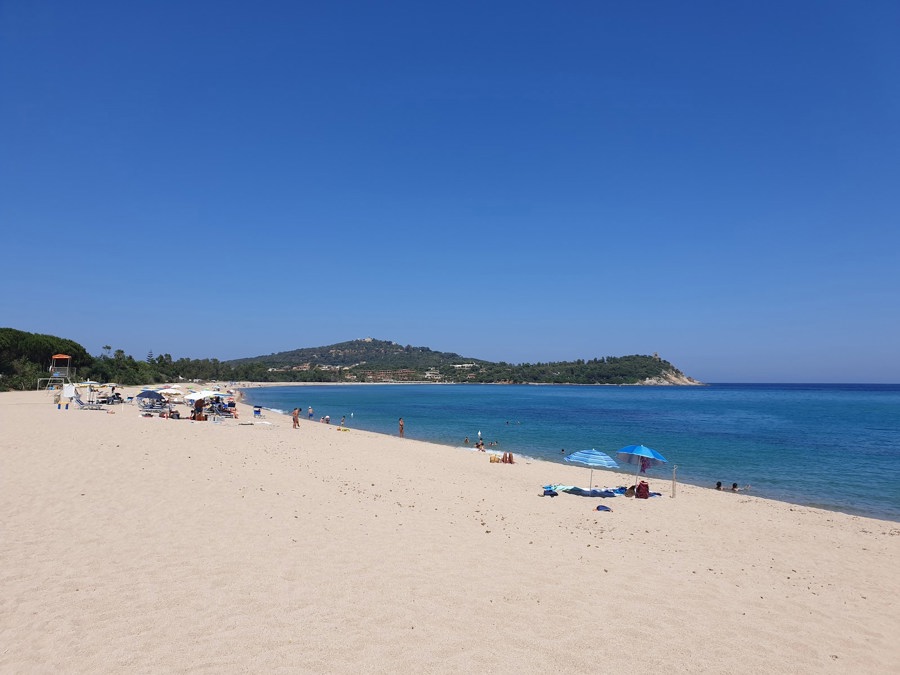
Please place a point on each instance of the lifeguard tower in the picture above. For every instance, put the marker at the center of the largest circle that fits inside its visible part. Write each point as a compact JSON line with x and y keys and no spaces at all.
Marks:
{"x":61,"y":373}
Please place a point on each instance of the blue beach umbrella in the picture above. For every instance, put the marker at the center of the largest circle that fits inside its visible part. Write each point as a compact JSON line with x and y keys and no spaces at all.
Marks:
{"x":153,"y":395}
{"x":594,"y":459}
{"x":641,"y":455}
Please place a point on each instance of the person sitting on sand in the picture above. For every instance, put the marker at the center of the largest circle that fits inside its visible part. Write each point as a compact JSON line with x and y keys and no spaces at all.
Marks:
{"x":507,"y":458}
{"x":735,"y":488}
{"x":718,"y":485}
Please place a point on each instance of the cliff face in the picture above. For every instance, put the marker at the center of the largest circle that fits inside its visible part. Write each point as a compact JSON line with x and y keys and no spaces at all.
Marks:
{"x":671,"y":377}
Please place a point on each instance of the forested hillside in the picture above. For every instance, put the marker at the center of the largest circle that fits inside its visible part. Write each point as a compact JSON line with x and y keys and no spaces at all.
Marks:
{"x":25,"y":357}
{"x":372,"y":353}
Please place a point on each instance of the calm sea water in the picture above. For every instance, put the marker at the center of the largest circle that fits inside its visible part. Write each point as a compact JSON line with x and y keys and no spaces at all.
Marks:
{"x":830,"y":446}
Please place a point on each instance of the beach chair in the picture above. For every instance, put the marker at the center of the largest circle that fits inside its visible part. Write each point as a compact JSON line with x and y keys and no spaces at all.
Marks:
{"x":215,"y":413}
{"x":150,"y":406}
{"x":223,"y":411}
{"x":257,"y":412}
{"x":85,"y":406}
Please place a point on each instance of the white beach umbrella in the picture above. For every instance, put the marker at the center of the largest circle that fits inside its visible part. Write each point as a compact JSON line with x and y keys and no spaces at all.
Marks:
{"x":206,"y":393}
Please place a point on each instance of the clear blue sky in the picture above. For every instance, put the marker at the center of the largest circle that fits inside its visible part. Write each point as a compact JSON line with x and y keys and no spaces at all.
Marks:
{"x":718,"y":182}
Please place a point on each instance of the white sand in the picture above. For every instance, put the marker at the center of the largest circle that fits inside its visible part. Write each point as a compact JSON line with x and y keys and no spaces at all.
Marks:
{"x":151,"y":545}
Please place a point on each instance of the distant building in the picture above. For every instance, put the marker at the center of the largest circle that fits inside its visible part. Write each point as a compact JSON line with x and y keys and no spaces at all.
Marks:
{"x":401,"y":375}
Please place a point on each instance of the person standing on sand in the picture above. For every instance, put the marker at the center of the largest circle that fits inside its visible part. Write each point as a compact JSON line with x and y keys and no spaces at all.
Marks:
{"x":310,"y":412}
{"x":401,"y":427}
{"x":295,"y":416}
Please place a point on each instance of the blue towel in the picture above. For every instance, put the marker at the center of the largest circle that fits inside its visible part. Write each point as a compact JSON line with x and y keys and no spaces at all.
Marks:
{"x":581,"y":492}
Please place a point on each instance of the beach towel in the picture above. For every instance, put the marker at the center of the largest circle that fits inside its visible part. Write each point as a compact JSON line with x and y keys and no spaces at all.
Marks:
{"x":581,"y":492}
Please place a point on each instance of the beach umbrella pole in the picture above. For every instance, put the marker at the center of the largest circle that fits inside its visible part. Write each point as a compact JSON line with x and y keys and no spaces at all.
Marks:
{"x":674,"y":469}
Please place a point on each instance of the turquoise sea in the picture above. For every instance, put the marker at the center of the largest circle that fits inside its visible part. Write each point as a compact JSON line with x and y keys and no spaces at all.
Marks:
{"x":833,"y":446}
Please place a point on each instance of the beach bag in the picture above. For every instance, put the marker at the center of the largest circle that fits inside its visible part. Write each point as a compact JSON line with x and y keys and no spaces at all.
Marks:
{"x":643,"y":490}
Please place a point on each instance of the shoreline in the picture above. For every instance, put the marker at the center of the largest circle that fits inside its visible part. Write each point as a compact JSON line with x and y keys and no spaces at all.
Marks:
{"x":495,"y":384}
{"x":887,"y":514}
{"x":629,"y":476}
{"x":150,"y":544}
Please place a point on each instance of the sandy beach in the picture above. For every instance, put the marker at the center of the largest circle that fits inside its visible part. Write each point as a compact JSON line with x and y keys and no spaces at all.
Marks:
{"x":133,"y":544}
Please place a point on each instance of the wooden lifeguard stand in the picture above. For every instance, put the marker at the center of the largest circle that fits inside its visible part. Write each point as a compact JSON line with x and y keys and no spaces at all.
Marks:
{"x":61,"y":373}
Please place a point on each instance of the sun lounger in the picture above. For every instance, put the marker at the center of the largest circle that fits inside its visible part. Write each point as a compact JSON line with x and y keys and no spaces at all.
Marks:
{"x":221,"y":411}
{"x":85,"y":406}
{"x":152,"y":407}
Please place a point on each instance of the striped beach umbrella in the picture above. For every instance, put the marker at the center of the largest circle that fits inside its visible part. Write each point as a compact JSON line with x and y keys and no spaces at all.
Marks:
{"x":594,"y":459}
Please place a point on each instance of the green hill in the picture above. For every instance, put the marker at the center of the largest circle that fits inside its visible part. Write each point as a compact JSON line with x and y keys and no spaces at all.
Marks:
{"x":25,"y":357}
{"x":380,"y":360}
{"x":367,"y":352}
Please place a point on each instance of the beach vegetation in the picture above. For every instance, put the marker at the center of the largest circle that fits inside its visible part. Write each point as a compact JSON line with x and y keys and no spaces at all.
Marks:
{"x":26,"y":357}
